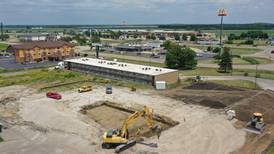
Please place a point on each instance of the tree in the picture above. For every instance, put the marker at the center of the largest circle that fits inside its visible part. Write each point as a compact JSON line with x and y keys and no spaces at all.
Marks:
{"x":180,"y":58}
{"x":4,"y":37}
{"x":169,"y":44}
{"x":216,"y":50}
{"x":177,"y":37}
{"x":67,"y":39}
{"x":184,"y":37}
{"x":225,"y":63}
{"x":209,"y":48}
{"x":233,"y":37}
{"x":193,"y":37}
{"x":249,"y":42}
{"x":95,"y":39}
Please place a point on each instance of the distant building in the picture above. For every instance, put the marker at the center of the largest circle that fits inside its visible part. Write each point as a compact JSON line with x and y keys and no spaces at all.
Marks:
{"x":39,"y":37}
{"x":41,"y":51}
{"x":208,"y":42}
{"x":125,"y":71}
{"x":132,"y":48}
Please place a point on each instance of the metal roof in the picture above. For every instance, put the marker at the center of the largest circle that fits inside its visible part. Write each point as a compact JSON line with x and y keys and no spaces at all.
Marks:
{"x":128,"y":67}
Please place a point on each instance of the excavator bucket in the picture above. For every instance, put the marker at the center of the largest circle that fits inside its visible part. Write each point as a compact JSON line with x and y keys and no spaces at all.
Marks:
{"x":157,"y":130}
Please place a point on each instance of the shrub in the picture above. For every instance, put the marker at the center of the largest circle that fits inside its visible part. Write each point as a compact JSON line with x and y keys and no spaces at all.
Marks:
{"x":133,"y":88}
{"x":236,"y":56}
{"x":246,"y":74}
{"x":70,"y":75}
{"x":257,"y":75}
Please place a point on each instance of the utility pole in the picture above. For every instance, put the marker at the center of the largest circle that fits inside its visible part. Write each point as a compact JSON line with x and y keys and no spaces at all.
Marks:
{"x":2,"y":32}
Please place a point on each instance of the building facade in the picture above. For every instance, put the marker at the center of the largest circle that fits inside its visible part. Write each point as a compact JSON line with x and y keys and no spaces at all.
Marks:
{"x":125,"y":71}
{"x":41,"y":51}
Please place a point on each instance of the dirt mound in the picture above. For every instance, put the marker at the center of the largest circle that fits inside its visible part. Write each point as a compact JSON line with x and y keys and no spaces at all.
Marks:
{"x":210,"y":86}
{"x":5,"y":100}
{"x":210,"y":98}
{"x":262,"y":102}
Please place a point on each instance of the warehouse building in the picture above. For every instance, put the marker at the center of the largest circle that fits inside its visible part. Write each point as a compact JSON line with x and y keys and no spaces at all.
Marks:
{"x":125,"y":71}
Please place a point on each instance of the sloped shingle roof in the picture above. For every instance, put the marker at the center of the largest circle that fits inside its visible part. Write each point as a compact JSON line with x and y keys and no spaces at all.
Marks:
{"x":40,"y":44}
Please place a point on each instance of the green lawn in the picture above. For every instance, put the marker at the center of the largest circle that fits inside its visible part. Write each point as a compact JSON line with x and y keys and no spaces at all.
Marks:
{"x":237,"y":83}
{"x":236,"y":61}
{"x":241,"y":61}
{"x":40,"y":78}
{"x":3,"y":46}
{"x":243,"y":51}
{"x":263,"y":60}
{"x":235,"y":51}
{"x":271,"y":151}
{"x":237,"y":72}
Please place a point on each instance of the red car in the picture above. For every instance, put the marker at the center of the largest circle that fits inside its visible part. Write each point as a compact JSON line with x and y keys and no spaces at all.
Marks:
{"x":54,"y":95}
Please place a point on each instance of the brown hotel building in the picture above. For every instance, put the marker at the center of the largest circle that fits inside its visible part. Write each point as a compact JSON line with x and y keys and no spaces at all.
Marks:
{"x":41,"y":51}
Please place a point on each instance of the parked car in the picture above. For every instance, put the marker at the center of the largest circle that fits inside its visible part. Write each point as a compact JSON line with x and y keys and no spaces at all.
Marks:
{"x":54,"y":95}
{"x":108,"y":89}
{"x":85,"y":89}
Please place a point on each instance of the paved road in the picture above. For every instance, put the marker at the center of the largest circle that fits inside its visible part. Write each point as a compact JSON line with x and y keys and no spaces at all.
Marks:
{"x":263,"y":83}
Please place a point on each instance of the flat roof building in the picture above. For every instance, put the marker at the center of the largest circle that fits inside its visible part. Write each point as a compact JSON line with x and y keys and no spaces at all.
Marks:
{"x":120,"y":70}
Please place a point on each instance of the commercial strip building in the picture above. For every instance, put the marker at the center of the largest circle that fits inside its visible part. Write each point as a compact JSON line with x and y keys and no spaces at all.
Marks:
{"x":41,"y":51}
{"x":118,"y":70}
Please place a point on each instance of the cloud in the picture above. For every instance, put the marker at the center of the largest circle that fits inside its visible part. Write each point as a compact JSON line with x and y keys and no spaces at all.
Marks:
{"x":135,"y":11}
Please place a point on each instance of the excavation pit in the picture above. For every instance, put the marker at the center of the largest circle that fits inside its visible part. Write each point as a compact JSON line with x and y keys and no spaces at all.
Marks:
{"x":112,"y":115}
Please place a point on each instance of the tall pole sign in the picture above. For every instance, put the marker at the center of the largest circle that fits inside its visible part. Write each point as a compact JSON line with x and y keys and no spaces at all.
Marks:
{"x":222,"y":13}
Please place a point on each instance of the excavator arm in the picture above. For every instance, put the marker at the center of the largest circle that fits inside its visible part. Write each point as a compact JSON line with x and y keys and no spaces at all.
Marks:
{"x":146,"y":113}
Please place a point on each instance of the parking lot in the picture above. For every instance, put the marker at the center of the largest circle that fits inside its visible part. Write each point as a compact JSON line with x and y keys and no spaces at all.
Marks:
{"x":9,"y":63}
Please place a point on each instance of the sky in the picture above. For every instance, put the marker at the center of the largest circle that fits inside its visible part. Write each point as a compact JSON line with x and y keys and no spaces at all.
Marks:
{"x":76,"y":12}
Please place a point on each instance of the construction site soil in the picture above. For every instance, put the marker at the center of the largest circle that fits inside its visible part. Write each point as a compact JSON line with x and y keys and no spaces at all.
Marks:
{"x":112,"y":115}
{"x":210,"y":86}
{"x":74,"y":124}
{"x":244,"y":102}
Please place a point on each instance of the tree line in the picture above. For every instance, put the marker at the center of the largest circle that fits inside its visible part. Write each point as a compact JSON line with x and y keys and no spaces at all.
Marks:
{"x":249,"y":35}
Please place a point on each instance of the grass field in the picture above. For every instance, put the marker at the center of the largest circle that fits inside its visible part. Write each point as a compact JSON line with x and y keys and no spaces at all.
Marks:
{"x":271,"y":151}
{"x":3,"y":46}
{"x":243,"y":51}
{"x":241,"y":61}
{"x":235,"y":51}
{"x":236,"y":61}
{"x":236,"y":72}
{"x":40,"y":78}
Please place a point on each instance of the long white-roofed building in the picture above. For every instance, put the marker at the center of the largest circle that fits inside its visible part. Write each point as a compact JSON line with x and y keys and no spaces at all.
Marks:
{"x":121,"y":70}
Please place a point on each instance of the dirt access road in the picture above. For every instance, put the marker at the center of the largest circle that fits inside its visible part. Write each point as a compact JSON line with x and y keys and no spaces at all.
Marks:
{"x":36,"y":124}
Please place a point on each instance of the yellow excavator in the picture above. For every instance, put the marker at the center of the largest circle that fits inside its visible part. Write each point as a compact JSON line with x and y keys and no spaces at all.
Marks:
{"x":120,"y":137}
